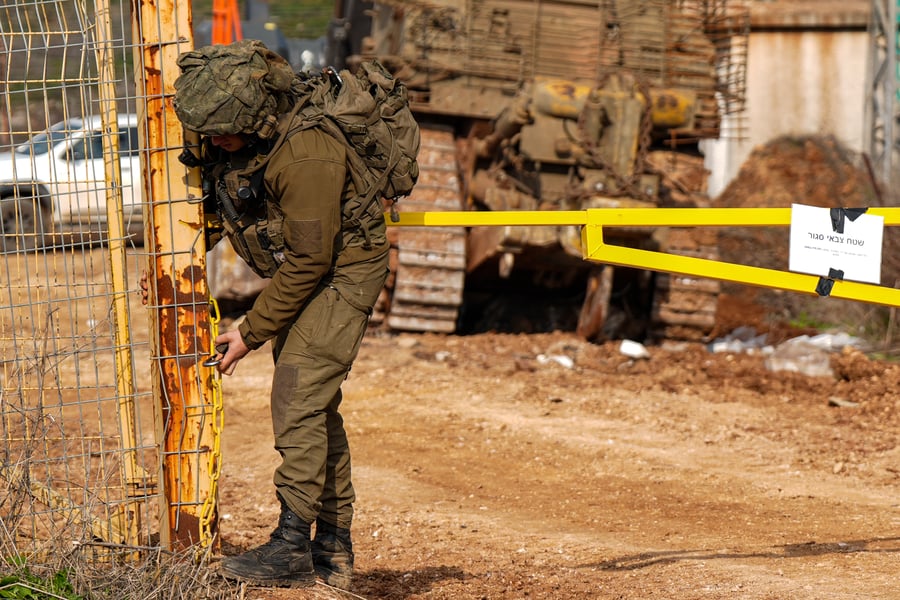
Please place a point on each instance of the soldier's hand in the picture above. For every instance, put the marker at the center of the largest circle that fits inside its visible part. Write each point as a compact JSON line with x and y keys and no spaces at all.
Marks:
{"x":237,"y":350}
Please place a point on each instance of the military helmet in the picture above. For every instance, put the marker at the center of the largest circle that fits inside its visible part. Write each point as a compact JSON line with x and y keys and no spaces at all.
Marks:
{"x":233,"y":88}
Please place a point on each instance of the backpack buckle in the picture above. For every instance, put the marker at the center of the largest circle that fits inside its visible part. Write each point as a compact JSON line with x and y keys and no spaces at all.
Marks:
{"x":267,"y":129}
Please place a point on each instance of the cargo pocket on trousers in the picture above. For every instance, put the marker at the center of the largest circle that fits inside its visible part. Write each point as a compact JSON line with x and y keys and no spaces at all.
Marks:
{"x":345,"y":326}
{"x":284,"y":386}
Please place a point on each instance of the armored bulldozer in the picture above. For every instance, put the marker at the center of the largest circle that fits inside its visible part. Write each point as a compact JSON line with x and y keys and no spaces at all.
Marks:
{"x":553,"y":105}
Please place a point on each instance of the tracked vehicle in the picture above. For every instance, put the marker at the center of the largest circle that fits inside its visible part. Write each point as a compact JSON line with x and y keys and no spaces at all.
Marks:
{"x":562,"y":105}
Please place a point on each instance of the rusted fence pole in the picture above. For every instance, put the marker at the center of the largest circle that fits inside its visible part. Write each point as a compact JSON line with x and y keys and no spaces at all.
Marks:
{"x":188,"y":419}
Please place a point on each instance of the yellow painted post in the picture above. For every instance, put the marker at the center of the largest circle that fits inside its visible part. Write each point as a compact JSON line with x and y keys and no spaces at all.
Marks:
{"x":130,"y":514}
{"x":186,"y":423}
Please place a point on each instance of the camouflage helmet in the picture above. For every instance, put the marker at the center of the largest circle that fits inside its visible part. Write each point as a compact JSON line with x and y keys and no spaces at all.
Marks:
{"x":229,"y":89}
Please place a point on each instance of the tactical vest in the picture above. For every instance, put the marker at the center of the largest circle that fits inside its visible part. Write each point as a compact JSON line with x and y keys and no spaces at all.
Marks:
{"x":253,"y":222}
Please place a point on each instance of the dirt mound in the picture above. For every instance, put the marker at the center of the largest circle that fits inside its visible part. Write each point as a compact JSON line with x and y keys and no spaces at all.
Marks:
{"x":812,"y":170}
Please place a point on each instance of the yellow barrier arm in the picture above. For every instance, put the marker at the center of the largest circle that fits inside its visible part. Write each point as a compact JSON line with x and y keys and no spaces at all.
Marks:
{"x":594,"y":249}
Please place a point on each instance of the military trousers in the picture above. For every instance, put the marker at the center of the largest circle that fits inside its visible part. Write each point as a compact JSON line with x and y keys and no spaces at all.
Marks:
{"x":312,"y":359}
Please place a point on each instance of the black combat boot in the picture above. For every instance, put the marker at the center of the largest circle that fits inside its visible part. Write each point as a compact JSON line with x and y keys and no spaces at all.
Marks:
{"x":285,"y":560}
{"x":332,"y":553}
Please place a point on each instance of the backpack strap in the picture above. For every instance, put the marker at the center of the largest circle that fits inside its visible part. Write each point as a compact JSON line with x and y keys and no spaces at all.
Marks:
{"x":256,"y":172}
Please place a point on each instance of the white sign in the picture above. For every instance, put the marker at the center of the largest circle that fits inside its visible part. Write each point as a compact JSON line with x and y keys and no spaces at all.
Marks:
{"x":817,"y":248}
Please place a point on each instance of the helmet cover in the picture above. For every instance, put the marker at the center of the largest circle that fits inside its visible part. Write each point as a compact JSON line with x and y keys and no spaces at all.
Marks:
{"x":231,"y":89}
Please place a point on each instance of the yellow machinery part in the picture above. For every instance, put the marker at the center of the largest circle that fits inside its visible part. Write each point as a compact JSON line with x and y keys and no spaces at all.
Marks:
{"x":669,"y":108}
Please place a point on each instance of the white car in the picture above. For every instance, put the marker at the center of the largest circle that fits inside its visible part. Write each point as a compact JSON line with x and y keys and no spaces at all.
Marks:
{"x":55,"y":183}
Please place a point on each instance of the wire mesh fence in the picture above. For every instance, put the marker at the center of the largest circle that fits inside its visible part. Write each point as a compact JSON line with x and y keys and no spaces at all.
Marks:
{"x":94,"y":385}
{"x":78,"y":451}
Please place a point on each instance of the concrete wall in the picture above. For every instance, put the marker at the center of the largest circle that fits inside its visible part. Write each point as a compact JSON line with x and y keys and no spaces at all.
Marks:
{"x":801,"y":79}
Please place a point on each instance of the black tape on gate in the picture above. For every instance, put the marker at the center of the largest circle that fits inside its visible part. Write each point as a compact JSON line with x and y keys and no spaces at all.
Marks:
{"x":823,"y":288}
{"x":839,"y":214}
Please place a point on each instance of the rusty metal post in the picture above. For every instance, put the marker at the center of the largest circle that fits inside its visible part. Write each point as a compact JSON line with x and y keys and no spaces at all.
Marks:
{"x":179,"y":297}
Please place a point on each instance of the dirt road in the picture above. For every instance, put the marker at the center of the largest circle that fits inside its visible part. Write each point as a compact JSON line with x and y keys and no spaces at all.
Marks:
{"x":514,"y":466}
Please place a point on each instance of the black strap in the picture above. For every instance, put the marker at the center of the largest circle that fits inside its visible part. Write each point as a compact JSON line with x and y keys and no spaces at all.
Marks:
{"x":838,"y":215}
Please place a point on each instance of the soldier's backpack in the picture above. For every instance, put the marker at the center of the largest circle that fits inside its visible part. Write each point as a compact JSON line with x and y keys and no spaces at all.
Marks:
{"x":244,"y":86}
{"x":368,"y":110}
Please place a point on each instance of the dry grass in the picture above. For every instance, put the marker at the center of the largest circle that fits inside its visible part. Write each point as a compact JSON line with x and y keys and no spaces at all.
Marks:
{"x":138,"y":573}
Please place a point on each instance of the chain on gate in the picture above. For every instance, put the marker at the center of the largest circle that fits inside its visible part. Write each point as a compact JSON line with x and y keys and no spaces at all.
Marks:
{"x":208,"y":510}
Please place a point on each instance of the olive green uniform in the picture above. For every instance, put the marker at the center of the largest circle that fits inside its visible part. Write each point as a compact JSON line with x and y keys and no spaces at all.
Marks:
{"x":316,"y":309}
{"x":298,"y":200}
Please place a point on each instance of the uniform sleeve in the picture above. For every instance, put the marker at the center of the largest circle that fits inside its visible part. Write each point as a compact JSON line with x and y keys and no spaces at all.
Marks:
{"x":306,"y":177}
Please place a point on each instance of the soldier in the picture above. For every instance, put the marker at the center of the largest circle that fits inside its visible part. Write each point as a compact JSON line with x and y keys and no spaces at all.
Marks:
{"x":281,"y":190}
